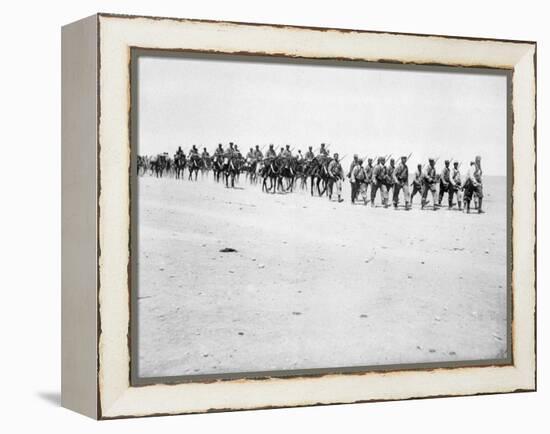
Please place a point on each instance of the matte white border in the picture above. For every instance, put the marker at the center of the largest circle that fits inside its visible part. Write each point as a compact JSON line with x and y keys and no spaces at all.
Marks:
{"x":117,"y":35}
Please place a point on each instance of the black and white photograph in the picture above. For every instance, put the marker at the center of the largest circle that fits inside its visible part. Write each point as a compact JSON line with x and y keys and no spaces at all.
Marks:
{"x":296,"y":216}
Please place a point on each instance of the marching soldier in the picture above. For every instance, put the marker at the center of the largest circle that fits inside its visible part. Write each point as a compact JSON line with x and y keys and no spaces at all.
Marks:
{"x":389,"y":176}
{"x":309,"y":154}
{"x":379,"y":182}
{"x":336,"y":173}
{"x":474,"y":185}
{"x":445,"y":184}
{"x":429,"y":179}
{"x":456,"y":186}
{"x":417,"y":182}
{"x":369,"y":172}
{"x":401,"y":181}
{"x":358,"y":181}
{"x":354,"y":188}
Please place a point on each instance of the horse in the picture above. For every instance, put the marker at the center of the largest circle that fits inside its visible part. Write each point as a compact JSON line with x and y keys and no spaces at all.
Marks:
{"x":194,"y":165}
{"x":231,"y":169}
{"x":179,"y":165}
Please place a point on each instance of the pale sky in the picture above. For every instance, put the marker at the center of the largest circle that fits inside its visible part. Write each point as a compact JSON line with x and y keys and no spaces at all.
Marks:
{"x":365,"y":110}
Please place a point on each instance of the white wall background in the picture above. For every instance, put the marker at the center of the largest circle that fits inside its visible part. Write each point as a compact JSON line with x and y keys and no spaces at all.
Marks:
{"x":30,"y":217}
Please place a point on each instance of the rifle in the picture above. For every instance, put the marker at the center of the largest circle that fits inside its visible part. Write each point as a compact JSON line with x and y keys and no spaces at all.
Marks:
{"x":409,"y":157}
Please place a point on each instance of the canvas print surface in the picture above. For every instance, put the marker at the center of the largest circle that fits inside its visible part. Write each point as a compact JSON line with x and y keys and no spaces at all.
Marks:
{"x":293,"y":215}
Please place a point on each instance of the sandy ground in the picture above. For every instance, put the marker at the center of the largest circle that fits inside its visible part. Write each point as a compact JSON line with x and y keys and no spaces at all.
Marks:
{"x":313,"y":283}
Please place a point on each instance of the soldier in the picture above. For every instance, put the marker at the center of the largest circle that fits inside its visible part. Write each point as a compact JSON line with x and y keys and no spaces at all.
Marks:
{"x":179,"y":153}
{"x":230,"y":150}
{"x":445,"y":184}
{"x":323,"y":151}
{"x":429,"y":179}
{"x":417,"y":182}
{"x":193,"y":152}
{"x":300,"y":156}
{"x":389,"y":176}
{"x":205,"y":155}
{"x":474,"y":185}
{"x":237,"y":152}
{"x":270,"y":152}
{"x":354,"y":188}
{"x":336,"y":174}
{"x":219,"y":151}
{"x":250,"y":155}
{"x":309,"y":154}
{"x":379,"y":182}
{"x":456,"y":186}
{"x":369,"y":171}
{"x":287,"y":153}
{"x":258,"y":156}
{"x":401,"y":181}
{"x":358,"y":181}
{"x":281,"y":152}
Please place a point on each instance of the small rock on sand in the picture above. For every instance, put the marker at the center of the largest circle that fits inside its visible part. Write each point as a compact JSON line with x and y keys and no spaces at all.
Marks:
{"x":228,"y":250}
{"x":431,"y":350}
{"x":363,"y":315}
{"x":261,"y":266}
{"x":296,"y":313}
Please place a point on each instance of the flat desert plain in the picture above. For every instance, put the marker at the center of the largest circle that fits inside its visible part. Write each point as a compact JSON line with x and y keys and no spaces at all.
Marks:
{"x":312,"y":283}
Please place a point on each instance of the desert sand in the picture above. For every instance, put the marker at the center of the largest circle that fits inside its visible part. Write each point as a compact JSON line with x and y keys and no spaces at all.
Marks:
{"x":313,"y":283}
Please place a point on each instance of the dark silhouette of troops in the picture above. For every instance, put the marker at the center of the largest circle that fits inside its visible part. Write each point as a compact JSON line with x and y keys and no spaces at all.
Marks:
{"x":336,"y":175}
{"x":379,"y":183}
{"x":445,"y":185}
{"x":474,"y":185}
{"x":401,"y":182}
{"x":456,"y":186}
{"x":354,"y":188}
{"x":358,"y":179}
{"x":429,"y":181}
{"x":416,"y":184}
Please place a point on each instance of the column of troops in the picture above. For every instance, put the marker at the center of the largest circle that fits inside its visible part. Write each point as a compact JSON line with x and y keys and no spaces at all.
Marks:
{"x":384,"y":176}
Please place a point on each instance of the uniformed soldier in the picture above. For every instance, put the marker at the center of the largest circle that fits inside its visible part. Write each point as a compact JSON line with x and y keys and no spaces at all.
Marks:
{"x":429,"y":178}
{"x":230,"y":150}
{"x":389,"y":176}
{"x":237,"y":152}
{"x":354,"y":188}
{"x":358,"y":180}
{"x":270,"y":153}
{"x":179,"y":152}
{"x":445,"y":184}
{"x":287,"y":153}
{"x":401,"y":182}
{"x":456,"y":186}
{"x":336,"y":174}
{"x":369,"y":171}
{"x":417,"y":182}
{"x":474,"y":185}
{"x":193,"y":152}
{"x":309,"y":154}
{"x":205,"y":154}
{"x":219,"y":150}
{"x":323,"y":151}
{"x":281,"y":152}
{"x":258,"y":156}
{"x":250,"y":155}
{"x":379,"y":183}
{"x":300,"y":156}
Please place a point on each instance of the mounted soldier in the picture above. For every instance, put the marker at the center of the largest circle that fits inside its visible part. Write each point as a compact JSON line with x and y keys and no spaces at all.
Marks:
{"x":258,"y":156}
{"x":270,"y":152}
{"x":309,"y":154}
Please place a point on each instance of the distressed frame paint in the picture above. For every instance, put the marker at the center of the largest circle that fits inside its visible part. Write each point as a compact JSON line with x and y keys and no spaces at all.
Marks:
{"x":116,"y":397}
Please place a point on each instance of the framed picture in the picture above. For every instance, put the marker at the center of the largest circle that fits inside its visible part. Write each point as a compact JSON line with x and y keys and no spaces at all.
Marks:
{"x":262,"y":216}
